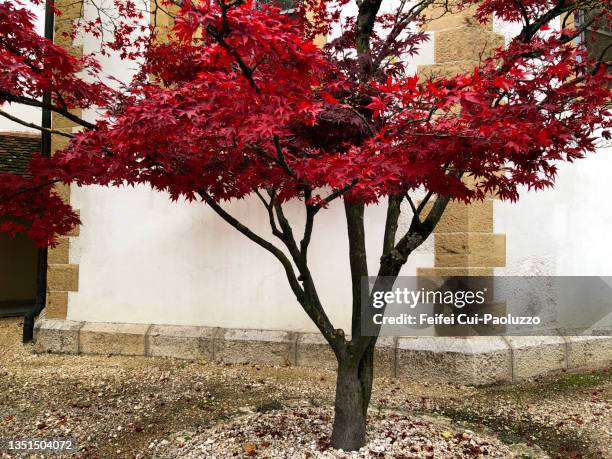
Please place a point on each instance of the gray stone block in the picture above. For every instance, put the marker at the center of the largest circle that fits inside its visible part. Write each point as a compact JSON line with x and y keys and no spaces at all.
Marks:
{"x":180,"y":341}
{"x":264,"y":347}
{"x":474,"y":360}
{"x":537,"y":355}
{"x":57,"y":336}
{"x":314,"y":351}
{"x":461,"y":360}
{"x":111,"y":338}
{"x":589,"y":352}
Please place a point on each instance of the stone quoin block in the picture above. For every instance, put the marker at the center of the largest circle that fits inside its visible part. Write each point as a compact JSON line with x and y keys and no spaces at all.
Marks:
{"x":63,"y":192}
{"x":469,"y":249}
{"x":63,"y":277}
{"x":60,"y":253}
{"x":65,"y":24}
{"x":314,"y":351}
{"x":76,"y":229}
{"x":180,"y":341}
{"x":537,"y":355}
{"x":461,"y":218}
{"x":57,"y":336}
{"x":449,"y":272}
{"x":57,"y":305}
{"x":439,"y":19}
{"x":445,"y":70}
{"x":465,"y":44}
{"x":474,"y":360}
{"x":264,"y":347}
{"x":61,"y":123}
{"x":111,"y":338}
{"x":60,"y":143}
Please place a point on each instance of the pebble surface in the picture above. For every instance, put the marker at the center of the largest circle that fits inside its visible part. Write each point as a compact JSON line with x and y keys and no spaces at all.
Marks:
{"x":304,"y":433}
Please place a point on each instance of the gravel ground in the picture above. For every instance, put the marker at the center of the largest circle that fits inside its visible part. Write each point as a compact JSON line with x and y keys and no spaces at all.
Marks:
{"x":304,"y":433}
{"x":131,"y":407}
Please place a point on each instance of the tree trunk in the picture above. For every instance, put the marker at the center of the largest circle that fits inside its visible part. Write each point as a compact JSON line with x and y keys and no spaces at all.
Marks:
{"x":353,"y":391}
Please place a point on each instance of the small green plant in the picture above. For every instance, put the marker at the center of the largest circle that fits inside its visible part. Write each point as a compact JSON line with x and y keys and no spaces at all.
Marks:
{"x":579,"y":380}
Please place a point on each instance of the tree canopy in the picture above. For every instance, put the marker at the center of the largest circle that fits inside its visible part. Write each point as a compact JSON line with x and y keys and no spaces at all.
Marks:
{"x":241,"y":100}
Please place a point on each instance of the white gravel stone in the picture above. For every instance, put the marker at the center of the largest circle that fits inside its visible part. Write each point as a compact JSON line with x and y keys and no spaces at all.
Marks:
{"x":304,"y":433}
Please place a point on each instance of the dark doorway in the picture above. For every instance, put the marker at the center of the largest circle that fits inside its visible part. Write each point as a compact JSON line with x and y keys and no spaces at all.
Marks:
{"x":18,"y":255}
{"x":18,"y":261}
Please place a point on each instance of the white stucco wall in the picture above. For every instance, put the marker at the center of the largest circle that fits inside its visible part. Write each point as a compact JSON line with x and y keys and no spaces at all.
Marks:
{"x":564,"y":231}
{"x":144,"y":259}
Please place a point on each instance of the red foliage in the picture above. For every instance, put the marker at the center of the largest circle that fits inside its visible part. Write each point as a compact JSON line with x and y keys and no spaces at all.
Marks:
{"x":31,"y":65}
{"x":243,"y":100}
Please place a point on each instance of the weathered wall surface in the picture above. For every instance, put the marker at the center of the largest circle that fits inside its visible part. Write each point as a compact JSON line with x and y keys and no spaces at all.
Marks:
{"x":144,"y":259}
{"x":563,"y":231}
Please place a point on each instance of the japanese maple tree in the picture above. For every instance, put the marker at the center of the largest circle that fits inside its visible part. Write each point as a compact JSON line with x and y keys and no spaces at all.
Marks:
{"x":241,"y":102}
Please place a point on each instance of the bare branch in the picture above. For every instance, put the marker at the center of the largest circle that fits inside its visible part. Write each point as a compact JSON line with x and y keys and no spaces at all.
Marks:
{"x":268,"y":205}
{"x":307,"y":295}
{"x":415,"y":212}
{"x":34,"y":126}
{"x":393,"y":212}
{"x":337,"y":193}
{"x":424,"y":202}
{"x":37,"y":103}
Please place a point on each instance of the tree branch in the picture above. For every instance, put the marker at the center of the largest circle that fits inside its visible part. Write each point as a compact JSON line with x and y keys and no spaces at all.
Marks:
{"x":393,"y":213}
{"x":339,"y":192}
{"x":268,"y":205}
{"x":392,"y":262}
{"x":293,"y":282}
{"x":37,"y":103}
{"x":358,"y":260}
{"x":34,"y":126}
{"x":364,"y":25}
{"x":424,"y":202}
{"x":306,"y":296}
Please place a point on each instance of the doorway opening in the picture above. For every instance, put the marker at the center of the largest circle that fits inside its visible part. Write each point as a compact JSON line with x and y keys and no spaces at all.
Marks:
{"x":18,"y":255}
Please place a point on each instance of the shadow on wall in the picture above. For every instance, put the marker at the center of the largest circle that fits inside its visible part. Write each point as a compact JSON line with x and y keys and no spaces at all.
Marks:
{"x":18,"y":258}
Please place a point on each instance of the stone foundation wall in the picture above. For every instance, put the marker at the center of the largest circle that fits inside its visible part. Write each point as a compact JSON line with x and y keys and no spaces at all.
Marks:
{"x":470,"y":361}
